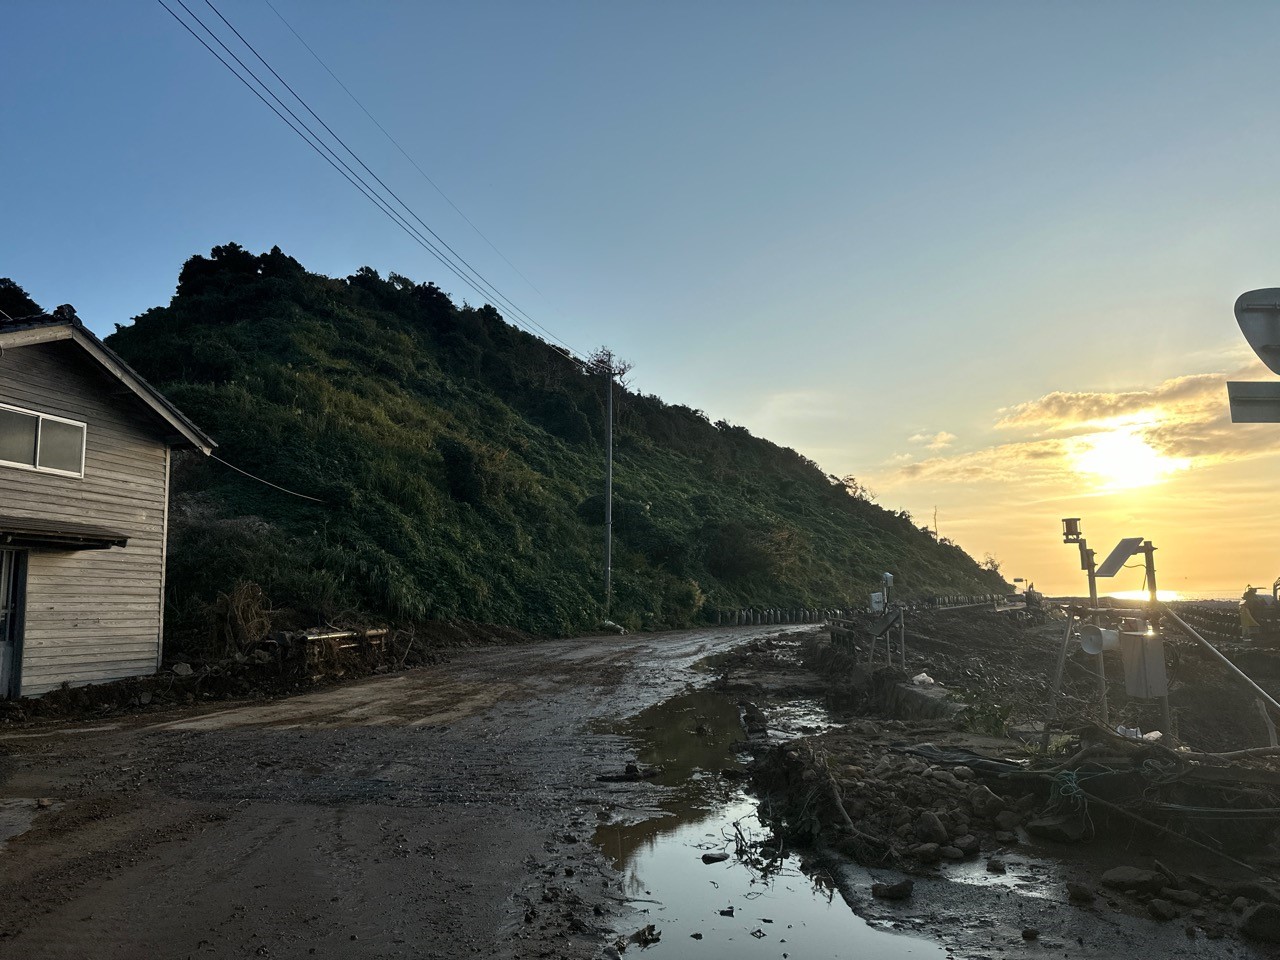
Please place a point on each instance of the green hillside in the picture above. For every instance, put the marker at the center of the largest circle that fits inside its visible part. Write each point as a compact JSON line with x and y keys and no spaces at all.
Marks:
{"x":460,"y":465}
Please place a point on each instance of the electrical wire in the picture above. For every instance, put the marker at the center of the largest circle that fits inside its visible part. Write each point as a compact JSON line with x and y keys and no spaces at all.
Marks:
{"x":396,"y":143}
{"x":274,"y":486}
{"x":489,"y":288}
{"x":314,"y":140}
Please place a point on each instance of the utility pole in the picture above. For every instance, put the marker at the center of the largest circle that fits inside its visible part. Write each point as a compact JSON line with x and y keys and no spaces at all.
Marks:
{"x":608,"y":494}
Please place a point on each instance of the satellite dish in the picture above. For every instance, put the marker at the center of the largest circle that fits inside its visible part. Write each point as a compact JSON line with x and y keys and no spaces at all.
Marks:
{"x":1258,"y":313}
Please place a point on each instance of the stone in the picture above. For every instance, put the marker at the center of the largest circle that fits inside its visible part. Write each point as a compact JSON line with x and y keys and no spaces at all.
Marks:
{"x":996,"y":866}
{"x":1240,"y":904}
{"x":1187,"y":898}
{"x":1253,"y":890}
{"x":1004,"y":836}
{"x":963,"y":773}
{"x":930,"y":829}
{"x":144,"y":698}
{"x":1133,"y":878}
{"x":893,"y":891}
{"x":967,"y":844}
{"x":1262,"y":922}
{"x":927,"y":853}
{"x":44,"y":803}
{"x":1162,"y":910}
{"x":1062,"y":828}
{"x":951,"y":853}
{"x":182,"y":670}
{"x":1030,"y":933}
{"x":1080,"y":892}
{"x":715,"y":857}
{"x":985,"y":803}
{"x":1008,"y":820}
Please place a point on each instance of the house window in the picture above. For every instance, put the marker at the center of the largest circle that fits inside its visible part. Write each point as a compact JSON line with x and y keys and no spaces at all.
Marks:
{"x":37,"y":441}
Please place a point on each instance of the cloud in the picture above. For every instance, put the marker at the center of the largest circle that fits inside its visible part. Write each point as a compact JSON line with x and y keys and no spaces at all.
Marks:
{"x":934,"y":441}
{"x":1067,"y":436}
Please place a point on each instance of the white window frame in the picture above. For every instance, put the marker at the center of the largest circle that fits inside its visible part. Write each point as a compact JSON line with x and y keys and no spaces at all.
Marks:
{"x":41,"y":416}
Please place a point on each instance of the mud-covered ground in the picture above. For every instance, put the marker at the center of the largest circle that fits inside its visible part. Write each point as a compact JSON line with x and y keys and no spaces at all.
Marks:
{"x":450,"y":811}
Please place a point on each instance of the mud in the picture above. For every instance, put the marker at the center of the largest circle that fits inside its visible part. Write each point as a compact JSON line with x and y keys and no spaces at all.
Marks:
{"x":456,"y":810}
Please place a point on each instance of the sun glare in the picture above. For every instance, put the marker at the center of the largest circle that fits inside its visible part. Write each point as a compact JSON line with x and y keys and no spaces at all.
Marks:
{"x":1123,"y":460}
{"x":1165,"y":596}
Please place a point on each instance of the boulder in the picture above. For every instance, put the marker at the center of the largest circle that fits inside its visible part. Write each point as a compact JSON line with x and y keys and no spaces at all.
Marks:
{"x":1133,"y":878}
{"x":967,"y":844}
{"x":951,"y":853}
{"x":930,"y":829}
{"x":1080,"y":892}
{"x":1007,"y":820}
{"x":996,"y":866}
{"x":1187,"y":898}
{"x":1069,"y":827}
{"x":893,"y":891}
{"x":1162,"y":910}
{"x":1262,"y":923}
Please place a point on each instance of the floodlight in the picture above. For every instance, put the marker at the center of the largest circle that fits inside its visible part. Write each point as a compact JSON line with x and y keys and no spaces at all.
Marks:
{"x":1071,"y":530}
{"x":1125,"y":549}
{"x":1258,"y":313}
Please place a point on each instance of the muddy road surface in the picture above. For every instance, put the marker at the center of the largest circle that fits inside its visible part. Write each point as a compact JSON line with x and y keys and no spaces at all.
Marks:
{"x":441,"y":812}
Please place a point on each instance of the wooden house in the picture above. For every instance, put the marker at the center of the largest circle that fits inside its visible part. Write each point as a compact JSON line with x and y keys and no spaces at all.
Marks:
{"x":85,"y":446}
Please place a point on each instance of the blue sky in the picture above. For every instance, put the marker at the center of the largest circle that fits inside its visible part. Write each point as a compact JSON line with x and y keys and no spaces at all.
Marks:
{"x":843,"y":225}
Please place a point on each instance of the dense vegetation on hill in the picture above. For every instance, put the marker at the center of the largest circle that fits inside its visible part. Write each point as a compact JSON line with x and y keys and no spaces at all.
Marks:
{"x":460,"y":463}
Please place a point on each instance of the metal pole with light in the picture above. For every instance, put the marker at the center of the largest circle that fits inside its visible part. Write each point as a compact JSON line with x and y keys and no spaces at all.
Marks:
{"x":1071,"y":534}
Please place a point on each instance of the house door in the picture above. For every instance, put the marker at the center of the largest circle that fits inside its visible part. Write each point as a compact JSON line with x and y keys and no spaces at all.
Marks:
{"x":10,"y":623}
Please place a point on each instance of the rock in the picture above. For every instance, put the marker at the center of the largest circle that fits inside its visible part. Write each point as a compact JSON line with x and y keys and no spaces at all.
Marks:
{"x":1133,"y":878}
{"x":996,"y":866}
{"x":985,"y":803}
{"x":967,"y":844}
{"x":1004,"y":836}
{"x":1262,"y":923}
{"x":1062,"y":828}
{"x":182,"y":670}
{"x":727,"y":912}
{"x":144,"y":698}
{"x":1030,"y":933}
{"x":927,"y":853}
{"x":1253,"y":890}
{"x":1185,"y":897}
{"x":715,"y":857}
{"x":930,"y":829}
{"x":44,"y":803}
{"x":963,"y":773}
{"x":1080,"y":892}
{"x":695,"y":936}
{"x":951,"y":853}
{"x":893,"y":891}
{"x":1240,"y":904}
{"x":1008,"y":820}
{"x":866,"y":727}
{"x":1162,"y":910}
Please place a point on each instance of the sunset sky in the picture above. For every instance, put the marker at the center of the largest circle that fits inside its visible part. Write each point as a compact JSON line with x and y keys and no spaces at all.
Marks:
{"x":982,"y":255}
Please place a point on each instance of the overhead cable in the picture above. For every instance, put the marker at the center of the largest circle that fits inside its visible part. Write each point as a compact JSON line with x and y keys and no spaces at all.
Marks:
{"x":461,"y":268}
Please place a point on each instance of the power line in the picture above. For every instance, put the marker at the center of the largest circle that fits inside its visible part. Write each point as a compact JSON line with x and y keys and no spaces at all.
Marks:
{"x":274,"y":486}
{"x":474,"y":274}
{"x":464,"y":272}
{"x":311,"y":139}
{"x":396,"y":144}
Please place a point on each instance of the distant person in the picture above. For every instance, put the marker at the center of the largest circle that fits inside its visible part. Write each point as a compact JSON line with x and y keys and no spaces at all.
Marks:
{"x":1251,"y":612}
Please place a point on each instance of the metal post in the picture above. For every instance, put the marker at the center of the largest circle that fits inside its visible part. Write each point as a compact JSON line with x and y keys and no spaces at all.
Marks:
{"x":608,"y":498}
{"x":902,"y":637}
{"x":1052,"y":713}
{"x":1102,"y":663}
{"x":1153,"y":621}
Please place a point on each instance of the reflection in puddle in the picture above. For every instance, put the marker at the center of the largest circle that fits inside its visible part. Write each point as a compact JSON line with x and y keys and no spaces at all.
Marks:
{"x":729,"y":909}
{"x":16,"y":817}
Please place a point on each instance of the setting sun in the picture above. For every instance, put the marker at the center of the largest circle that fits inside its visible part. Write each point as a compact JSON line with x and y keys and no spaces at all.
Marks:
{"x":1123,"y":460}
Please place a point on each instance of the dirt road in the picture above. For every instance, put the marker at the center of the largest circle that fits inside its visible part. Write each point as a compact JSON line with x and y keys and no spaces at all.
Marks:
{"x":442,"y":812}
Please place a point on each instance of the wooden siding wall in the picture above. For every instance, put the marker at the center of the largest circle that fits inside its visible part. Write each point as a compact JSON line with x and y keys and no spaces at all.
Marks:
{"x":91,"y":615}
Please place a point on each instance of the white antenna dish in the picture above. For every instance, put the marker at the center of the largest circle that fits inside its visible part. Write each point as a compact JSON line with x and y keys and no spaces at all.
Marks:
{"x":1258,"y":313}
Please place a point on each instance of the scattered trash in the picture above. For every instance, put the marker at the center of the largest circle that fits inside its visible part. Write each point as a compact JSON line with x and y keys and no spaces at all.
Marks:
{"x":758,"y":933}
{"x":727,"y":912}
{"x":646,"y":935}
{"x":715,"y":857}
{"x":923,"y":680}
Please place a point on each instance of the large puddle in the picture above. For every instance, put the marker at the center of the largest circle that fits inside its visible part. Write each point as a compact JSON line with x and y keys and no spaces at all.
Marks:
{"x":756,"y":903}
